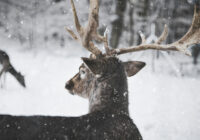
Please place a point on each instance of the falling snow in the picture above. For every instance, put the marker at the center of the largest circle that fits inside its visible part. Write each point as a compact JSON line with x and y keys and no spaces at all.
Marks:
{"x":164,"y":104}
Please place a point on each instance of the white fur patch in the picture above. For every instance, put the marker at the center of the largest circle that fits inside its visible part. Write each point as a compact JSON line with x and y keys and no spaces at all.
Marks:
{"x":82,"y":75}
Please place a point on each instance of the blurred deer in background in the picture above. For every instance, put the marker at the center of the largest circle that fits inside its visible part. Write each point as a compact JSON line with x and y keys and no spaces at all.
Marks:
{"x":7,"y":67}
{"x":102,"y":79}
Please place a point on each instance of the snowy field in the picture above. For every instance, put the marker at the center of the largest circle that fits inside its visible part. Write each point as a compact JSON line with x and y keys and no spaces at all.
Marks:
{"x":164,"y":107}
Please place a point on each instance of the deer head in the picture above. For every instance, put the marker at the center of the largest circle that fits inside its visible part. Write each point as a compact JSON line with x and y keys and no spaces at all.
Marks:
{"x":93,"y":70}
{"x":103,"y":81}
{"x":102,"y":77}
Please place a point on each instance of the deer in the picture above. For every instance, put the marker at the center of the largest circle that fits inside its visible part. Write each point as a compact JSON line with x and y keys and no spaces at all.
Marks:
{"x":102,"y":79}
{"x":7,"y":67}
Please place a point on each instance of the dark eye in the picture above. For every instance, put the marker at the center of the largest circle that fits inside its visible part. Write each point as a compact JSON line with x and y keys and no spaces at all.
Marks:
{"x":82,"y":71}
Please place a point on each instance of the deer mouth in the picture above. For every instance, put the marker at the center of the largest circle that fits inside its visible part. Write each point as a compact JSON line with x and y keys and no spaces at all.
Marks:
{"x":71,"y":92}
{"x":69,"y":86}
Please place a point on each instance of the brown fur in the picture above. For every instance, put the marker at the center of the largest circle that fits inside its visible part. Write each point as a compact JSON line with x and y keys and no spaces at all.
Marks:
{"x":103,"y":81}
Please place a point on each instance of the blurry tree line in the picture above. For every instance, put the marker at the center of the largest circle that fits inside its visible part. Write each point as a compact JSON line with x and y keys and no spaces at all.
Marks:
{"x":141,"y":14}
{"x":43,"y":21}
{"x":31,"y":21}
{"x":128,"y":16}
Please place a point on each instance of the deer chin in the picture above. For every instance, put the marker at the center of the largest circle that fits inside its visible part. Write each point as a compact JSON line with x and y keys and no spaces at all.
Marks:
{"x":71,"y":92}
{"x":83,"y":95}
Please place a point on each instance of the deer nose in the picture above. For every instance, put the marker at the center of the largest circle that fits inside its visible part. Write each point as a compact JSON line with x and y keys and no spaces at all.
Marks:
{"x":69,"y":85}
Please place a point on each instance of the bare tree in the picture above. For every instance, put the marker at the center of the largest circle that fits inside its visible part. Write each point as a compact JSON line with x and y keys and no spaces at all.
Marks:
{"x":117,"y":23}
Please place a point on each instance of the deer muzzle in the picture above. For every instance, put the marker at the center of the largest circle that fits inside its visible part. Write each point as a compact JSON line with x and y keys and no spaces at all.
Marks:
{"x":69,"y":85}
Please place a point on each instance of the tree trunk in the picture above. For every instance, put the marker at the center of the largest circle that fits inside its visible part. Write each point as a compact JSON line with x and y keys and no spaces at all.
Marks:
{"x":117,"y":24}
{"x":131,"y":26}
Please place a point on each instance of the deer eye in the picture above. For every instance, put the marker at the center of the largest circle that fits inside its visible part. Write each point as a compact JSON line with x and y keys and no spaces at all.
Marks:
{"x":82,"y":73}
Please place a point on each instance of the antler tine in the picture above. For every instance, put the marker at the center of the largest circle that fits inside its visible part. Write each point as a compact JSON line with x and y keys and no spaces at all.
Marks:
{"x":191,"y":37}
{"x":193,"y":34}
{"x":163,"y":35}
{"x":86,"y":35}
{"x":94,"y":20}
{"x":107,"y":49}
{"x":142,"y":36}
{"x":195,"y":25}
{"x":76,"y":20}
{"x":74,"y":36}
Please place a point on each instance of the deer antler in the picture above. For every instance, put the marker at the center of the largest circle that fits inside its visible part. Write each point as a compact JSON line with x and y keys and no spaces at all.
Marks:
{"x":191,"y":37}
{"x":89,"y":33}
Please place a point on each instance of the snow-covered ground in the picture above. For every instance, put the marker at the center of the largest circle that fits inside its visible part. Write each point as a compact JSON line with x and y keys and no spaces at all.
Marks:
{"x":163,"y":107}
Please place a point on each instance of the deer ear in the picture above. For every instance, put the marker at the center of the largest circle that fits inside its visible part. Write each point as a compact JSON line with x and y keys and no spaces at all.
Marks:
{"x":133,"y":67}
{"x":93,"y":65}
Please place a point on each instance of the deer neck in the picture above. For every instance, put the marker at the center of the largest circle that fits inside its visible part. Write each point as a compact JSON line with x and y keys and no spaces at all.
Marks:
{"x":110,"y":94}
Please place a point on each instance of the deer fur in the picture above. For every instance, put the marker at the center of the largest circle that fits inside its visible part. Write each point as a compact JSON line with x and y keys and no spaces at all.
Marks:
{"x":104,"y":79}
{"x":104,"y":83}
{"x":7,"y":67}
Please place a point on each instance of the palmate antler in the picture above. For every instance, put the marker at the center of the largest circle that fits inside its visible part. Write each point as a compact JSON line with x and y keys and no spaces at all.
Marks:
{"x":89,"y":33}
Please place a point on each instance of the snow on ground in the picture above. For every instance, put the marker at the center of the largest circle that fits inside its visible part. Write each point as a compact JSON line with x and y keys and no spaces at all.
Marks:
{"x":162,"y":106}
